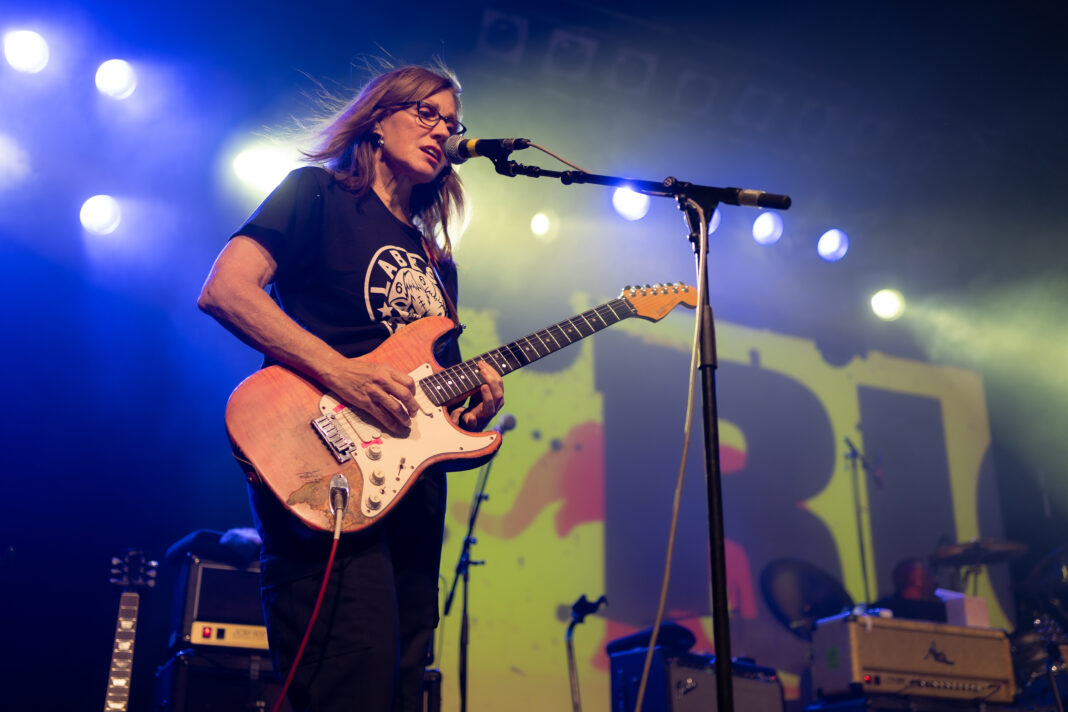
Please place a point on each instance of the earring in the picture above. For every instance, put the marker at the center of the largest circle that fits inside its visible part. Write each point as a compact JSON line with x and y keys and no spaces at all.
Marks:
{"x":380,"y":141}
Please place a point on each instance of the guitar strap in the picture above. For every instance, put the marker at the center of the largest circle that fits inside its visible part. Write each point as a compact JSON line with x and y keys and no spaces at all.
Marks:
{"x":453,"y":314}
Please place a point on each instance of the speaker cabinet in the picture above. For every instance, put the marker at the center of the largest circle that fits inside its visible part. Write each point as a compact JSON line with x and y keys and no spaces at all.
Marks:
{"x":224,"y":681}
{"x":216,"y":681}
{"x":687,"y":683}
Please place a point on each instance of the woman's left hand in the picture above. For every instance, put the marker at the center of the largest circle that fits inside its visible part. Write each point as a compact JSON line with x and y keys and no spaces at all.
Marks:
{"x":484,"y":404}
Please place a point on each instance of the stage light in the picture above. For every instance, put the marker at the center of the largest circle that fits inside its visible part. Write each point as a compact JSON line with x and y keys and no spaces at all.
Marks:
{"x":26,"y":51}
{"x":632,"y":72}
{"x":503,"y":36}
{"x":116,"y":78}
{"x":540,"y":224}
{"x":545,"y":225}
{"x":264,"y":166}
{"x":833,"y":245}
{"x":888,"y":304}
{"x":101,"y":215}
{"x":570,"y":56}
{"x":767,"y":228}
{"x":14,"y":163}
{"x":630,"y":205}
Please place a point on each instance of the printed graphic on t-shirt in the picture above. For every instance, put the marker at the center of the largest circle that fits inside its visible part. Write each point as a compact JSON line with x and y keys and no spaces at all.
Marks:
{"x":400,"y":288}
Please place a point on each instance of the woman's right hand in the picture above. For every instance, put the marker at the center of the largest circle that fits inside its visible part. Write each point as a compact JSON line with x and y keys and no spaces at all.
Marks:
{"x":384,"y":392}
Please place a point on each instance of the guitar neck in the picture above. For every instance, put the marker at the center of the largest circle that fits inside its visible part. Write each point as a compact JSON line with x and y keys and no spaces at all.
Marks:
{"x":464,"y":378}
{"x":118,"y":694}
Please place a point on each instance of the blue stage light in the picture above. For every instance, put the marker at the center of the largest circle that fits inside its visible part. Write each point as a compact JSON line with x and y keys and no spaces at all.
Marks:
{"x":630,"y":205}
{"x":26,"y":51}
{"x":767,"y":228}
{"x":101,"y":215}
{"x":116,"y":78}
{"x":833,"y":245}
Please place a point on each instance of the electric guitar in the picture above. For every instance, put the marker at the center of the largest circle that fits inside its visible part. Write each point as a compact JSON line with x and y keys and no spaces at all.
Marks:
{"x":132,"y":572}
{"x":293,"y":437}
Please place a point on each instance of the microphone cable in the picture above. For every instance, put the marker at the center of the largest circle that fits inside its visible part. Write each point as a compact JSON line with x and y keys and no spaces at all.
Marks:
{"x":702,"y":269}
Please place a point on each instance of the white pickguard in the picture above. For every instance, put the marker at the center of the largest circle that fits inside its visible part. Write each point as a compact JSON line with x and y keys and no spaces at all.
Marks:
{"x":389,"y":462}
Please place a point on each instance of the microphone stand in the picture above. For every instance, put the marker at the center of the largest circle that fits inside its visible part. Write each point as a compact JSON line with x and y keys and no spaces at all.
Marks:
{"x":855,"y":455}
{"x":464,"y":565}
{"x":694,"y":201}
{"x":579,"y":610}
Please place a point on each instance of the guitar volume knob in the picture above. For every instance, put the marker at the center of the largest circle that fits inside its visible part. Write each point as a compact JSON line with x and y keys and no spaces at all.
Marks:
{"x":377,"y":479}
{"x":373,"y":503}
{"x":374,"y":452}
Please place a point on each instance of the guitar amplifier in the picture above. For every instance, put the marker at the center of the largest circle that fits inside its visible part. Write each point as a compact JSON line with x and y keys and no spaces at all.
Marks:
{"x":225,"y":681}
{"x":217,"y":605}
{"x":216,"y":681}
{"x":870,"y":655}
{"x":687,"y":683}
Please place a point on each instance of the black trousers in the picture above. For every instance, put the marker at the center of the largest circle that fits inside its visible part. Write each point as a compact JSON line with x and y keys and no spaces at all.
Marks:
{"x":369,"y":644}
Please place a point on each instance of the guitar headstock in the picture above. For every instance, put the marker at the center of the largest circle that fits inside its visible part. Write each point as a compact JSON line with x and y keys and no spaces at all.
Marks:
{"x":134,"y":570}
{"x":655,"y":301}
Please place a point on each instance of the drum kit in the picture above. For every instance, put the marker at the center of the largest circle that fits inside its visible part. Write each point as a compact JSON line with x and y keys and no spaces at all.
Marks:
{"x":798,"y":594}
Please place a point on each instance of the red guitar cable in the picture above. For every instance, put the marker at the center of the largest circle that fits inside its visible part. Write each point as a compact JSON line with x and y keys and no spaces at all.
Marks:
{"x":339,"y":512}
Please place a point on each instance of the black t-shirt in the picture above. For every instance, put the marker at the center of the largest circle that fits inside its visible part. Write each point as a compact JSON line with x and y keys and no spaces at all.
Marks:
{"x":348,"y":270}
{"x":352,"y":274}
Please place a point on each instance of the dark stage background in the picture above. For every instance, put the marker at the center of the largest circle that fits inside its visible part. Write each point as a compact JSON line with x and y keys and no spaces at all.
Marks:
{"x":932,"y":133}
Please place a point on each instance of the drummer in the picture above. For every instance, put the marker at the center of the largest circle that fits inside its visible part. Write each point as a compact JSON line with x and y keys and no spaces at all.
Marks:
{"x":914,"y":593}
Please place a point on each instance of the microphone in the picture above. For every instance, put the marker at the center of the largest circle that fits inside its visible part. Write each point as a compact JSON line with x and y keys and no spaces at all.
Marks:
{"x":458,"y":149}
{"x":760,"y":199}
{"x":505,"y":423}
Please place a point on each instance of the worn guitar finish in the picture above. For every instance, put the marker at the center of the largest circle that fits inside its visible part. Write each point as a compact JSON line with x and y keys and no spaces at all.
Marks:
{"x":296,"y":437}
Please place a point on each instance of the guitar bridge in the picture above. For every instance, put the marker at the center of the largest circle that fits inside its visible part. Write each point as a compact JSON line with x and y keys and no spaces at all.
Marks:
{"x":336,"y":440}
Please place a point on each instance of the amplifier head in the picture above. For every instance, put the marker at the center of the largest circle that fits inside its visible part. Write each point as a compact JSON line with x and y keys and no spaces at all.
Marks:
{"x":217,"y":605}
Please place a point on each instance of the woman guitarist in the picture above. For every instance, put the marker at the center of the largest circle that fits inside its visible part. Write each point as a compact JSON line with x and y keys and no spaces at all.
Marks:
{"x":347,"y":248}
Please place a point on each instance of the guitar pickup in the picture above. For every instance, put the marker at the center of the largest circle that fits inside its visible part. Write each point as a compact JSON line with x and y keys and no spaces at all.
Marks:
{"x":338,"y":443}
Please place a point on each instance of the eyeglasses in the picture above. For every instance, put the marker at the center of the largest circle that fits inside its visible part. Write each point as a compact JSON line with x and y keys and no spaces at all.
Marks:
{"x":430,"y":117}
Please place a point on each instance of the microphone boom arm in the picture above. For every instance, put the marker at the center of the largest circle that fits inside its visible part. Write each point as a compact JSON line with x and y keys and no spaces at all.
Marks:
{"x":668,"y":188}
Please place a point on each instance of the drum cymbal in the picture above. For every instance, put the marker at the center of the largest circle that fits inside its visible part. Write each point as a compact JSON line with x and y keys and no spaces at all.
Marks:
{"x":978,"y":552}
{"x":799,"y":593}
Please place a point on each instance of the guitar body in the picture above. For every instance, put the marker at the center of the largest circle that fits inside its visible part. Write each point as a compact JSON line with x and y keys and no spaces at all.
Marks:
{"x":296,"y":437}
{"x":293,"y":438}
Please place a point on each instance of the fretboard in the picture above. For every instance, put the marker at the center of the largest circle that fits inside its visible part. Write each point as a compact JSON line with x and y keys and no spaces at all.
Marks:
{"x":118,"y":694}
{"x":464,"y":378}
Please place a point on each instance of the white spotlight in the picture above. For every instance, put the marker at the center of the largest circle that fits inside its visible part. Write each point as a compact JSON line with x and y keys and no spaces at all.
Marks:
{"x":540,"y":224}
{"x":888,"y":304}
{"x":767,"y":228}
{"x":116,"y":78}
{"x":264,"y":166}
{"x":26,"y":51}
{"x":630,"y":205}
{"x":101,"y":215}
{"x":833,"y":245}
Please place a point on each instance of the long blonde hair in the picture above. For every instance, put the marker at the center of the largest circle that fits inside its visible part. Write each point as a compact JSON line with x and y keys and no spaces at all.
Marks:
{"x":346,"y":145}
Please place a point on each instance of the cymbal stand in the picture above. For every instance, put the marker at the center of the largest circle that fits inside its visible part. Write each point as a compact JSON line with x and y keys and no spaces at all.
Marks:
{"x":579,"y":610}
{"x":971,"y":573}
{"x":1055,"y":665}
{"x":463,"y":568}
